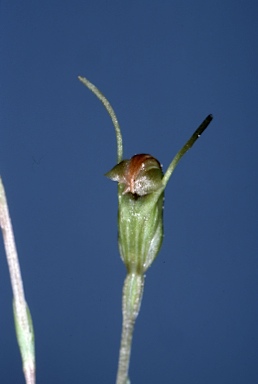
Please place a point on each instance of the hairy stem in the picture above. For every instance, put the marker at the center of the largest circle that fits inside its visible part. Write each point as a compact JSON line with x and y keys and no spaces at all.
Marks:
{"x":22,"y":318}
{"x":132,"y":296}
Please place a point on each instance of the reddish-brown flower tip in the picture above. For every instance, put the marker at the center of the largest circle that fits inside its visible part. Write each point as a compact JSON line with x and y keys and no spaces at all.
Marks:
{"x":142,"y":174}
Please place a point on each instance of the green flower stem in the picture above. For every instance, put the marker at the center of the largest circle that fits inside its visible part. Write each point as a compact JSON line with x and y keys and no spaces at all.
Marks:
{"x":185,"y":148}
{"x":132,"y":297}
{"x":111,"y":112}
{"x":22,"y":318}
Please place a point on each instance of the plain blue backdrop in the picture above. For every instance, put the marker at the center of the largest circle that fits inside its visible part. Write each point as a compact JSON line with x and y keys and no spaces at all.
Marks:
{"x":164,"y":66}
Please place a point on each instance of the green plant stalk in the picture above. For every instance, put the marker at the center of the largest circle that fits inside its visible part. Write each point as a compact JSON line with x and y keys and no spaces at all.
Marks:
{"x":22,"y":317}
{"x":141,"y":186}
{"x":131,"y":302}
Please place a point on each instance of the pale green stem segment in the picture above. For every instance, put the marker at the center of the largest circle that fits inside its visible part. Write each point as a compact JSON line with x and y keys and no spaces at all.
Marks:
{"x":185,"y":148}
{"x":132,"y":297}
{"x":22,"y":318}
{"x":111,"y":112}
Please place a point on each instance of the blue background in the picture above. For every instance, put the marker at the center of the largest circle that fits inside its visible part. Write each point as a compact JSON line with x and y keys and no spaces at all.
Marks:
{"x":164,"y":66}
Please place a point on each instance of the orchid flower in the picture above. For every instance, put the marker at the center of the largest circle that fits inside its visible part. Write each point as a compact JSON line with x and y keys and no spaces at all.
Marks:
{"x":141,"y":185}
